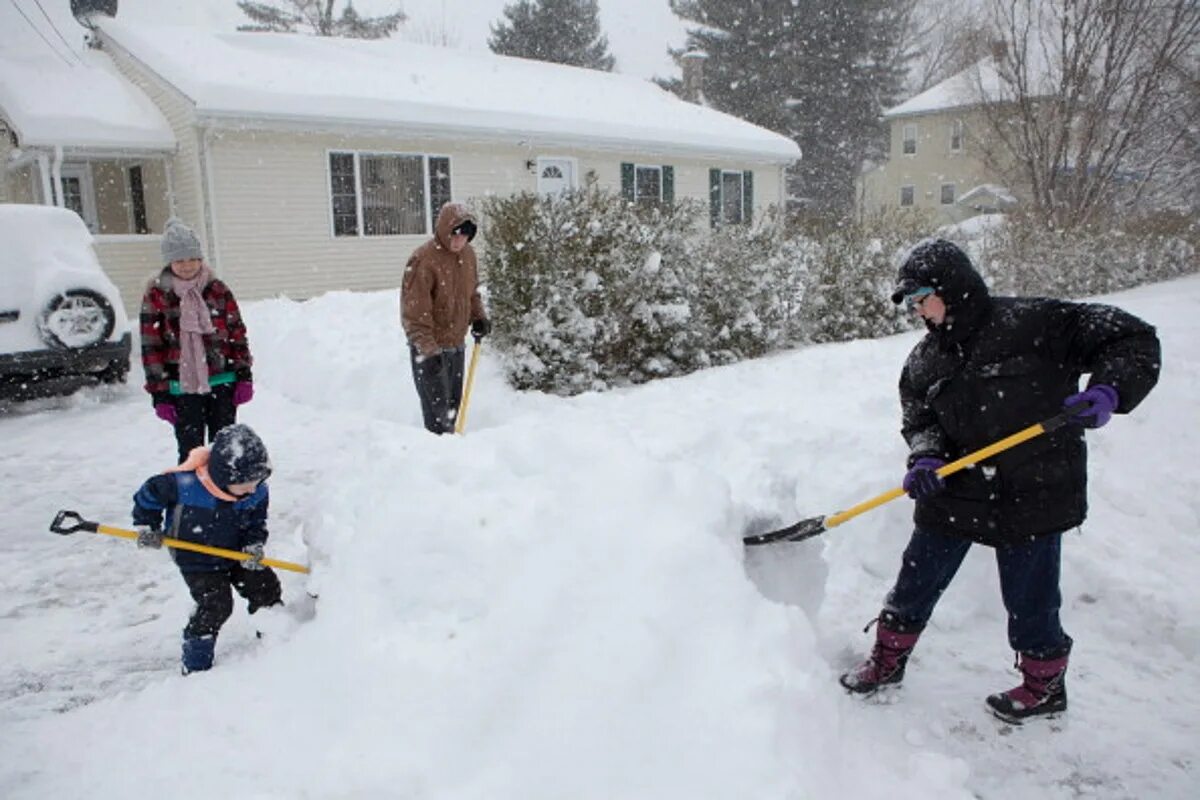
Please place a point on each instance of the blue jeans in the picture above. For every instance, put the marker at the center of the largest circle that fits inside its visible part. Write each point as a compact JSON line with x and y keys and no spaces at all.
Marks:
{"x":1029,"y":577}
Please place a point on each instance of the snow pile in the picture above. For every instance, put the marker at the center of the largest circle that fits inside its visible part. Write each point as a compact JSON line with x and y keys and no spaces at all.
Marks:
{"x":558,"y":604}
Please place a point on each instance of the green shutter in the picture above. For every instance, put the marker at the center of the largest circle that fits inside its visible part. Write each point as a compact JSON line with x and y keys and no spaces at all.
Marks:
{"x":668,"y":187}
{"x":747,"y":196}
{"x":714,"y":197}
{"x":627,"y":181}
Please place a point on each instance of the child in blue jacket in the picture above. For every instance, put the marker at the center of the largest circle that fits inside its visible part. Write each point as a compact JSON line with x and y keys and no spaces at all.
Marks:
{"x":216,"y":497}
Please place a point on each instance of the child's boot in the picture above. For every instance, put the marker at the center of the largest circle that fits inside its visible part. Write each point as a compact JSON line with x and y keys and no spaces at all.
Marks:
{"x":198,"y":653}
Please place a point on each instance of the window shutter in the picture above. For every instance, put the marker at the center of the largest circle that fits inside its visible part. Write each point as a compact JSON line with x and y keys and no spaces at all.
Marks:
{"x":668,"y":184}
{"x":627,"y":181}
{"x":714,"y":197}
{"x":747,"y":196}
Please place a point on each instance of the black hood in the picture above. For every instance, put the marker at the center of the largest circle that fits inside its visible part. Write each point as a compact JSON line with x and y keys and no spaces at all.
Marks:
{"x":943,"y":266}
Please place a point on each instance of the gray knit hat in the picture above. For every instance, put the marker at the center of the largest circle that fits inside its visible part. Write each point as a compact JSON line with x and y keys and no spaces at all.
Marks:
{"x":179,"y":242}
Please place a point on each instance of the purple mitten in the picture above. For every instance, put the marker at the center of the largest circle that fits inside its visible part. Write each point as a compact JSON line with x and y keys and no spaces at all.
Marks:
{"x":243,"y":392}
{"x":1104,"y":401}
{"x":166,"y":412}
{"x":921,"y":481}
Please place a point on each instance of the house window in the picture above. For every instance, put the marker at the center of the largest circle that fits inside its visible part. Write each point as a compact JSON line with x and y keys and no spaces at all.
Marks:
{"x":386,"y":194}
{"x":910,"y":140}
{"x":647,"y":185}
{"x":731,"y":198}
{"x":947,"y":194}
{"x":956,"y":136}
{"x":907,"y":194}
{"x":137,"y":200}
{"x":343,"y":194}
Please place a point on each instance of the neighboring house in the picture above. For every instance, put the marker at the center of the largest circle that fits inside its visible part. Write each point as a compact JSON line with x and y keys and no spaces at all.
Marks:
{"x":935,"y":163}
{"x":309,"y":164}
{"x":76,"y":133}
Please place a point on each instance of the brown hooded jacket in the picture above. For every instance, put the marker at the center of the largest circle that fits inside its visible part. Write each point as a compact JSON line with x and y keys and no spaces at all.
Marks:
{"x":439,"y":297}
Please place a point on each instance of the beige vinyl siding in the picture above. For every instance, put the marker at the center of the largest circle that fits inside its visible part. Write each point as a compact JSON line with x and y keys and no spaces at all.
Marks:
{"x":21,"y":186}
{"x":933,"y":165}
{"x":270,"y":192}
{"x":185,"y":176}
{"x":129,"y":262}
{"x":6,"y":177}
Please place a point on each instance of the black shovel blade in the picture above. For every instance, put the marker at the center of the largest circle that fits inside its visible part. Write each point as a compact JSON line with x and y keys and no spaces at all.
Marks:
{"x":798,"y":532}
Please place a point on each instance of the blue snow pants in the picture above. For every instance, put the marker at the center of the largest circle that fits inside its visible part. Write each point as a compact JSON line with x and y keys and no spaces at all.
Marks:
{"x":1029,"y":586}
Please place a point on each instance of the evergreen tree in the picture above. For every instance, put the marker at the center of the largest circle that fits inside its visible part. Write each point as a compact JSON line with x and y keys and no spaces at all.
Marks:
{"x":560,"y":31}
{"x":316,"y":16}
{"x":818,"y":71}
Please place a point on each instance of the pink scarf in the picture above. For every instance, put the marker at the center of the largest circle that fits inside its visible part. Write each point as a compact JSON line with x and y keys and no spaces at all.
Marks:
{"x":194,"y":322}
{"x":197,"y":461}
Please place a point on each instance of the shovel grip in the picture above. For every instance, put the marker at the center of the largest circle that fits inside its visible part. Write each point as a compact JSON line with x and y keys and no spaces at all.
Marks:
{"x":68,"y":522}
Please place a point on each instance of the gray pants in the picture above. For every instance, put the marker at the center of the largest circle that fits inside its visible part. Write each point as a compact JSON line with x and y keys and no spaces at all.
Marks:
{"x":439,"y":381}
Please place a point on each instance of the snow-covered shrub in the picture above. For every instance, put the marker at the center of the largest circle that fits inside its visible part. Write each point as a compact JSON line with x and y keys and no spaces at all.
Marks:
{"x":1023,"y":257}
{"x":847,"y":289}
{"x":747,"y":287}
{"x":589,"y":291}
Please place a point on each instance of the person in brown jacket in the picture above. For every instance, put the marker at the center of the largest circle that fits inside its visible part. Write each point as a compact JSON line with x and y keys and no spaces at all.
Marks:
{"x":439,"y":300}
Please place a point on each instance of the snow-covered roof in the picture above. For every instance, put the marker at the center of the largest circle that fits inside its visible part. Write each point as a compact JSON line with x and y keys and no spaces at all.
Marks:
{"x":79,"y":101}
{"x":993,"y":191}
{"x":965,"y":88}
{"x":982,"y":82}
{"x":424,"y":89}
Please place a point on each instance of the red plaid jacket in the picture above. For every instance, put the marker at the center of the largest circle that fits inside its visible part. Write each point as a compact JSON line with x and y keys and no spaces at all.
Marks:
{"x":226,"y":347}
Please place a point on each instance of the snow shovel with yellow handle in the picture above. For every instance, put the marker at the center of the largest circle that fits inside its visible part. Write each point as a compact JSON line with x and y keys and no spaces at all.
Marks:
{"x":460,"y":421}
{"x":68,"y":522}
{"x":815,"y":526}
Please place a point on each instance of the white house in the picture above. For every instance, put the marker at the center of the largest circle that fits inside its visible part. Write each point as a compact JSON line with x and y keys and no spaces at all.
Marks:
{"x":309,"y":164}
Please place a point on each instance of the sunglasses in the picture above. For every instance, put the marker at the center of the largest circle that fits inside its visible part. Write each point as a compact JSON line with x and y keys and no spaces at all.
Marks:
{"x":913,"y":301}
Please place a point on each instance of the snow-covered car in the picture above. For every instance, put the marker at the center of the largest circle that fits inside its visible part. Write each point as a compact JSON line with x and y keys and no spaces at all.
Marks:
{"x":62,"y":323}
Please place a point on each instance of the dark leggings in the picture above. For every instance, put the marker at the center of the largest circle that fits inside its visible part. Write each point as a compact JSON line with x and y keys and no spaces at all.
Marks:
{"x":439,"y":381}
{"x":198,"y":413}
{"x":1029,"y":586}
{"x":214,"y":601}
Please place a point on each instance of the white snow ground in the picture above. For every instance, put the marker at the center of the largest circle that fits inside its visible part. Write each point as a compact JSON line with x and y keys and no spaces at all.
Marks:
{"x":558,"y":605}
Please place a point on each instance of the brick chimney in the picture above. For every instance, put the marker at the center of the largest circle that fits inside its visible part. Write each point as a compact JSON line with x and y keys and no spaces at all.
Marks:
{"x":692,"y":63}
{"x":999,"y":49}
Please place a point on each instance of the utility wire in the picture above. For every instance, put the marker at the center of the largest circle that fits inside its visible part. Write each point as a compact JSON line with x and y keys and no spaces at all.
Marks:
{"x":57,"y":33}
{"x":13,"y":3}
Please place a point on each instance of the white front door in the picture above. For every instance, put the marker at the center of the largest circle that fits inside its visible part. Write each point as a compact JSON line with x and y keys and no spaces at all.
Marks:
{"x":555,"y":175}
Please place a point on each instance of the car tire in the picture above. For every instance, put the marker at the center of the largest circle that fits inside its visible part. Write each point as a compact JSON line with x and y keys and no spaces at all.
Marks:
{"x":115,"y":372}
{"x":75,"y":319}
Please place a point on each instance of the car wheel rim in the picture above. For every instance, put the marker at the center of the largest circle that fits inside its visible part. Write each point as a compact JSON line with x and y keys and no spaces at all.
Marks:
{"x":77,"y":322}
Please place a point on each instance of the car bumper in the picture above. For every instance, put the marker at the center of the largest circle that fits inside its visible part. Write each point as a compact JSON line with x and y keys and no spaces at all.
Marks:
{"x":45,"y":373}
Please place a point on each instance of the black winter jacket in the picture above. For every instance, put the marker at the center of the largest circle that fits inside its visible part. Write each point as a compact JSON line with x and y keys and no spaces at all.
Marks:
{"x":1000,"y":364}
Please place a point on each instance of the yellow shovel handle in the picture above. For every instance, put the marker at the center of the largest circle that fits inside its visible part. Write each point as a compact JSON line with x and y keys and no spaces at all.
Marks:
{"x":970,"y":459}
{"x":460,"y":422}
{"x":221,"y":552}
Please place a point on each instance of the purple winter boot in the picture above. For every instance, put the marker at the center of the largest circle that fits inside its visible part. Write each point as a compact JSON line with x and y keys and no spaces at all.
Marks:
{"x":1043,"y":692}
{"x":888,"y":658}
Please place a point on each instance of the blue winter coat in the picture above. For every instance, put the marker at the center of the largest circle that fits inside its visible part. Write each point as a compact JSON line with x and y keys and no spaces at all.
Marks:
{"x":195,"y":515}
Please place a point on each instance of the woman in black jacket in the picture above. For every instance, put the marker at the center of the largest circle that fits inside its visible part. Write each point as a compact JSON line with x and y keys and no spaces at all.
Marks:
{"x":987,"y":367}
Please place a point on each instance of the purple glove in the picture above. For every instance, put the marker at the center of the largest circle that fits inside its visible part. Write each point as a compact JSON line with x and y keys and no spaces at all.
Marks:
{"x":921,"y":481}
{"x":243,"y":392}
{"x":1104,"y":401}
{"x":166,"y":412}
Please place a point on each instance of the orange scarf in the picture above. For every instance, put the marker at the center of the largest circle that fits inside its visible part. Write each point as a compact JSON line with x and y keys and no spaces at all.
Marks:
{"x":197,"y":461}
